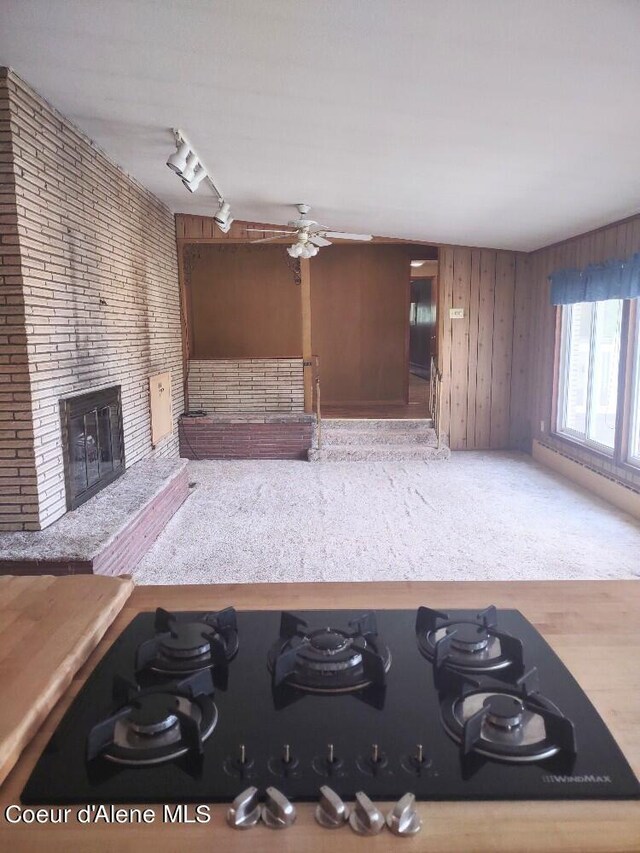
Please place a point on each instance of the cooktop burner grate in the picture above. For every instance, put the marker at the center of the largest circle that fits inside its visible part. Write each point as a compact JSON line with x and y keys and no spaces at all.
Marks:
{"x":156,"y":725}
{"x":181,"y":646}
{"x":329,"y":659}
{"x":470,"y":644}
{"x":508,"y":722}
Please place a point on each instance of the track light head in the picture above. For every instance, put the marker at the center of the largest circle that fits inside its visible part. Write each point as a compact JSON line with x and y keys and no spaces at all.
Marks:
{"x":222,"y":214}
{"x":178,"y":160}
{"x":194,"y":183}
{"x":190,"y":168}
{"x":224,"y":227}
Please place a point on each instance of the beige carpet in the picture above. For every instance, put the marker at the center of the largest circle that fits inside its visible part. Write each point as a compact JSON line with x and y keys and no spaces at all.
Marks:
{"x":480,"y":516}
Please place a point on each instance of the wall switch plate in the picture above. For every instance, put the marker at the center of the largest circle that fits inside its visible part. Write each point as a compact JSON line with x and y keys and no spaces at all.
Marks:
{"x":541,"y":426}
{"x":456,"y":313}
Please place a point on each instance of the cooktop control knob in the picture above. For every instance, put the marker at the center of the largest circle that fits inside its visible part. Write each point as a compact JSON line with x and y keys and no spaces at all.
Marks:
{"x":240,"y":764}
{"x":277,"y":811}
{"x":331,"y":811}
{"x":365,"y":817}
{"x":285,"y":764}
{"x":374,"y":762}
{"x":417,"y":761}
{"x":329,"y":764}
{"x":403,"y":818}
{"x":244,"y":811}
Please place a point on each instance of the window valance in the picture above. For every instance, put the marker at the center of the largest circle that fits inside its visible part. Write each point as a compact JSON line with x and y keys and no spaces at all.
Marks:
{"x":613,"y":279}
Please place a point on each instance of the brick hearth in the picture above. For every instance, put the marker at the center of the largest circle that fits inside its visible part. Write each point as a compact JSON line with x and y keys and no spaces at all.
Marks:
{"x":107,"y":535}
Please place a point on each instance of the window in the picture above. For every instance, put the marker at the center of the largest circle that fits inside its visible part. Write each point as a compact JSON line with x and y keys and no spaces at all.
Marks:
{"x":634,"y":432}
{"x":589,"y":368}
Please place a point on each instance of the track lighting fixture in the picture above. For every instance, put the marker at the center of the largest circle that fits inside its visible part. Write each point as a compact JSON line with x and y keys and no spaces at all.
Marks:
{"x":186,"y":163}
{"x":178,"y":160}
{"x":190,"y":168}
{"x":222,"y":214}
{"x":194,"y":183}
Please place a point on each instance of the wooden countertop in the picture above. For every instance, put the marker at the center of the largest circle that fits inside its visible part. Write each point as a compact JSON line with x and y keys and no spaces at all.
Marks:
{"x":593,"y":625}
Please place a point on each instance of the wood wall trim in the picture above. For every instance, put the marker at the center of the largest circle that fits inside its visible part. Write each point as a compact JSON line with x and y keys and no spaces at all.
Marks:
{"x":185,"y":313}
{"x":619,"y":223}
{"x":192,"y":228}
{"x":307,"y":348}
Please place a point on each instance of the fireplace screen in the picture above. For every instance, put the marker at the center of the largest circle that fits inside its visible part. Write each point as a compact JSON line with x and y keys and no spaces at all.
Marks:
{"x":92,"y":442}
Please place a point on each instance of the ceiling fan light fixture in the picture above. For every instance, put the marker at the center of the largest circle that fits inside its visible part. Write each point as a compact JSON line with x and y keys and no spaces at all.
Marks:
{"x":295,"y":251}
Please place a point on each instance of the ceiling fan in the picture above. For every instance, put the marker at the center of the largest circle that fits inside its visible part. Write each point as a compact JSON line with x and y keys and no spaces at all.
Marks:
{"x":308,"y":236}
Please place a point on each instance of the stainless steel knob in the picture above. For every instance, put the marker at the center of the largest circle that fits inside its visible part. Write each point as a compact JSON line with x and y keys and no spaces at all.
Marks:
{"x":244,"y":811}
{"x":277,"y":811}
{"x":403,"y":818}
{"x":331,"y":811}
{"x":365,"y":818}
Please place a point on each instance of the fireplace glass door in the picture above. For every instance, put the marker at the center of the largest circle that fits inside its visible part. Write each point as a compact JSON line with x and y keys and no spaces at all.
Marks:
{"x":92,"y":440}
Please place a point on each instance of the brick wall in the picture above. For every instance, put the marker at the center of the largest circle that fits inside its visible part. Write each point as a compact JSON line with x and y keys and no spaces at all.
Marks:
{"x":18,"y":491}
{"x":246,"y":385}
{"x":215,"y":437}
{"x":97,"y":276}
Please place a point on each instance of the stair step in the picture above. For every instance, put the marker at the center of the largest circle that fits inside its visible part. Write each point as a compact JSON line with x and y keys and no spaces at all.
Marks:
{"x":392,"y":438}
{"x":376,"y":453}
{"x":355,"y":424}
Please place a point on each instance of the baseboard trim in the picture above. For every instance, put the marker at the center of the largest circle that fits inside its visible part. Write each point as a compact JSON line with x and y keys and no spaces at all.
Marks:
{"x":609,"y":490}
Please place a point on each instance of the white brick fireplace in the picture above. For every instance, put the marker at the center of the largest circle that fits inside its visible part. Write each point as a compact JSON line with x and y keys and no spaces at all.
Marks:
{"x":89,"y":296}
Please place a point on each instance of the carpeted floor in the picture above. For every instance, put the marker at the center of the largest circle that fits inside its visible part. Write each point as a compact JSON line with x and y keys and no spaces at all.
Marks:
{"x":481,"y":516}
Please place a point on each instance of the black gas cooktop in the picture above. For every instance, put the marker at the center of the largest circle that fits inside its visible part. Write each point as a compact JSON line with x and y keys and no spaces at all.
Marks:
{"x":195,"y":707}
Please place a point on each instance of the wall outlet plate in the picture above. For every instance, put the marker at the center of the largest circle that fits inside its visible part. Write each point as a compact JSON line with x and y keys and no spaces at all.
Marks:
{"x":456,"y":313}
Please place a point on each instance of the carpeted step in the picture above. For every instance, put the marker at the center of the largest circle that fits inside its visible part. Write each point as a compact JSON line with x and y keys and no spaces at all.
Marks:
{"x":377,"y":440}
{"x":355,"y":424}
{"x":378,"y":453}
{"x":362,"y":437}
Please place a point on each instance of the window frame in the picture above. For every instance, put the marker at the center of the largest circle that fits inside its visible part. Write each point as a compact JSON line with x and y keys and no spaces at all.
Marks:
{"x":632,"y":386}
{"x":620,"y":455}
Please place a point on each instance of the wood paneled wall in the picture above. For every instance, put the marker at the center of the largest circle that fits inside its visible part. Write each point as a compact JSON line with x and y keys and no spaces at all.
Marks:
{"x":484,"y":356}
{"x":360,"y":322}
{"x":618,"y":240}
{"x":243,"y":303}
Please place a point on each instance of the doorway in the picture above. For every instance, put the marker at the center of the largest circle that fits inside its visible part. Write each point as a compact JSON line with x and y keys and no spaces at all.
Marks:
{"x":422,"y":330}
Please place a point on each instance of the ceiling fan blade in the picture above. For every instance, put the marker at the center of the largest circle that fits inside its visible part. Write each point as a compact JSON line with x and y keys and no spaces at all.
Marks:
{"x":317,"y":240}
{"x":342,"y":235}
{"x":271,"y":230}
{"x":269,"y":239}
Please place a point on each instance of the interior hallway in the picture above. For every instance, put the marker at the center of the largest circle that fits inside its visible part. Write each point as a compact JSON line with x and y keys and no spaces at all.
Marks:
{"x":480,"y":516}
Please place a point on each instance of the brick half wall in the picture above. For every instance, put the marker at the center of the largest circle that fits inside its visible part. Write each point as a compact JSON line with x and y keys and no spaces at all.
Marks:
{"x":209,"y":438}
{"x":227,"y":385}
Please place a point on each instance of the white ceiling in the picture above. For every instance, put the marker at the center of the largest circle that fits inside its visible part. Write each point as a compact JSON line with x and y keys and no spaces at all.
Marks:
{"x":506,"y":123}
